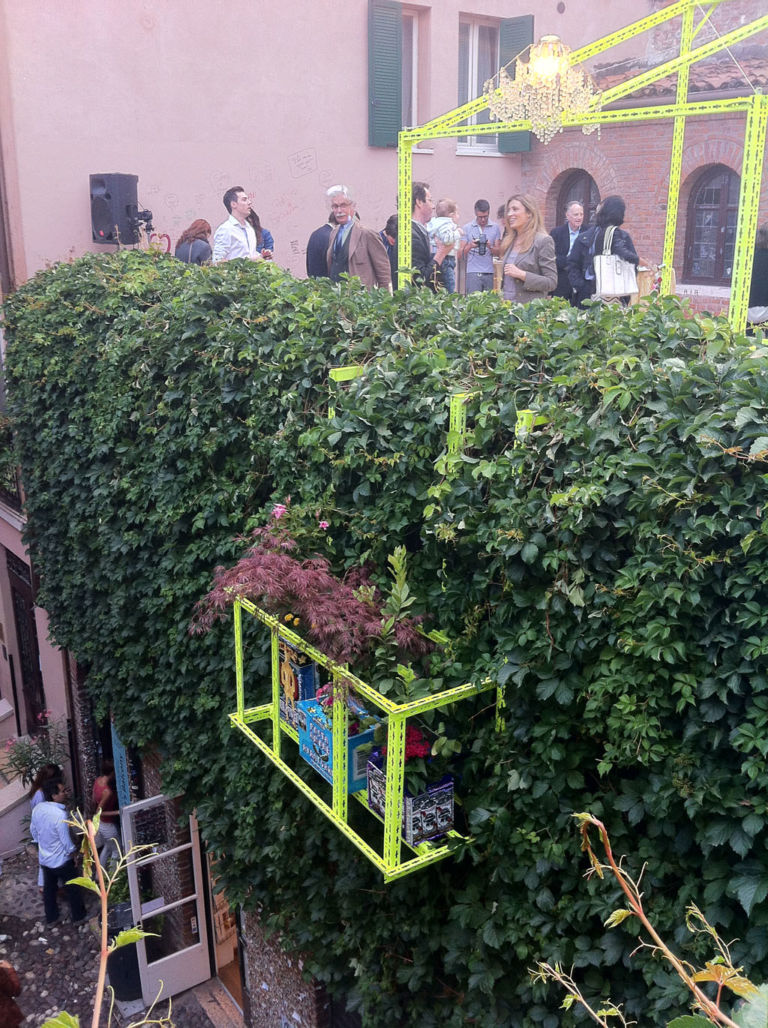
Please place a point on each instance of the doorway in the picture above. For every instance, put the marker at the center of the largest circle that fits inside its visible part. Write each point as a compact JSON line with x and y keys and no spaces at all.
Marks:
{"x":578,"y":187}
{"x":167,"y":897}
{"x":23,"y":598}
{"x":225,"y":941}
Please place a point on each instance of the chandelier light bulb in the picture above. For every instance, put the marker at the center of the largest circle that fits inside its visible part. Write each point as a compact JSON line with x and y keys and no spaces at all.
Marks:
{"x":543,"y":89}
{"x":549,"y":57}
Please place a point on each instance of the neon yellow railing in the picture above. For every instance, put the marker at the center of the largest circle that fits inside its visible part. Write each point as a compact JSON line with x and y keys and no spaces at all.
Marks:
{"x":392,"y":857}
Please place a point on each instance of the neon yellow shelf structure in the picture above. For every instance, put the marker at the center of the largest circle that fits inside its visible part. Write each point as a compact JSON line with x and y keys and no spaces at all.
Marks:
{"x":390,"y":860}
{"x":755,"y":108}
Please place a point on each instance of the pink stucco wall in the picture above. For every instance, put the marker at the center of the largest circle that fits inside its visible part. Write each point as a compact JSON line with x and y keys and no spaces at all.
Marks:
{"x":51,"y":662}
{"x":195,"y":96}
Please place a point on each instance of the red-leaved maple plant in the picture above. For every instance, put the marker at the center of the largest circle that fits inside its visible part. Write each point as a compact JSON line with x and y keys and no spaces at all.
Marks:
{"x":343,"y":617}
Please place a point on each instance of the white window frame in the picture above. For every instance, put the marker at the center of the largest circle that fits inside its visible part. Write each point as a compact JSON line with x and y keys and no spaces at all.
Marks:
{"x":477,"y":145}
{"x":410,"y":118}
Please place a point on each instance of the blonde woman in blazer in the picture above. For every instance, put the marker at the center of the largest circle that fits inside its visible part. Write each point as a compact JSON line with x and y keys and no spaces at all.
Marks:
{"x":528,"y":252}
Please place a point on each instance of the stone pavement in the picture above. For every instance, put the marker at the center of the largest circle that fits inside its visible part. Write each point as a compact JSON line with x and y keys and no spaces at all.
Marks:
{"x":57,"y":964}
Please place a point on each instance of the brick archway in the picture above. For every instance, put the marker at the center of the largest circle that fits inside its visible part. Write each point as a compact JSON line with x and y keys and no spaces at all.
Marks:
{"x":560,"y":161}
{"x":697,"y":157}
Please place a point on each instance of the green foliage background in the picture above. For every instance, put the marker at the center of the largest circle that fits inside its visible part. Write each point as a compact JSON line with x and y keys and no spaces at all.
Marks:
{"x":610,"y":569}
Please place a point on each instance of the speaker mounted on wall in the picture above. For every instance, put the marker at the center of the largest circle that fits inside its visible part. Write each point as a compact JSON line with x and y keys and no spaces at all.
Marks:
{"x":115,"y":208}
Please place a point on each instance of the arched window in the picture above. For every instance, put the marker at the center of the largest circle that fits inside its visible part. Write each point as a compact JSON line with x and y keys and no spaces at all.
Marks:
{"x":712,"y":212}
{"x":578,"y":186}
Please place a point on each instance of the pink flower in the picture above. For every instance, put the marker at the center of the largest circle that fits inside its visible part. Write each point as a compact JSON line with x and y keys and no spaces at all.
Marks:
{"x":278,"y":510}
{"x":324,"y":695}
{"x":323,"y":525}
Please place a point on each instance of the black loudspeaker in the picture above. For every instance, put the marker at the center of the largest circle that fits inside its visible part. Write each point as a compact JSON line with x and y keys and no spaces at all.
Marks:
{"x":114,"y":209}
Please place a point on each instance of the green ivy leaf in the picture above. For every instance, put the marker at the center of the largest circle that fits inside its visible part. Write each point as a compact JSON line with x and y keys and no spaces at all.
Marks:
{"x":750,"y":885}
{"x":529,"y":553}
{"x":690,"y":1021}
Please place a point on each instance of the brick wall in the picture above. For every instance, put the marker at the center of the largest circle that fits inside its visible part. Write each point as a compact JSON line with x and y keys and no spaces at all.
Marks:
{"x":84,"y":732}
{"x":633,"y":161}
{"x":277,"y":992}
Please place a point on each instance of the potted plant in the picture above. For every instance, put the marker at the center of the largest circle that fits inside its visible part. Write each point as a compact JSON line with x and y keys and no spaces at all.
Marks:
{"x":428,"y":810}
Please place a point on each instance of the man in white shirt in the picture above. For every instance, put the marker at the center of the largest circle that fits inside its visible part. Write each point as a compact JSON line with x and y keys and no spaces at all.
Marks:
{"x":50,"y":831}
{"x":235,"y":236}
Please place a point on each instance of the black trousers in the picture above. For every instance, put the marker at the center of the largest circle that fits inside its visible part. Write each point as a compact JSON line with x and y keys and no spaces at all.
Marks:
{"x":52,"y":876}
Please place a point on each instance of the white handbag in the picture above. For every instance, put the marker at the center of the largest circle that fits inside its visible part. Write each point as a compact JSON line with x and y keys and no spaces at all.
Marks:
{"x":613,"y":275}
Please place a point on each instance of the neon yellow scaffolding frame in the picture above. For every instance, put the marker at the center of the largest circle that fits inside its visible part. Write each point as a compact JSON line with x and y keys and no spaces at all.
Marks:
{"x":389,"y":861}
{"x":755,"y":108}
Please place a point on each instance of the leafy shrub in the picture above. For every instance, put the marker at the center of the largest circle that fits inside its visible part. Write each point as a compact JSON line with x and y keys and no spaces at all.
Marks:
{"x":608,"y":567}
{"x":23,"y":757}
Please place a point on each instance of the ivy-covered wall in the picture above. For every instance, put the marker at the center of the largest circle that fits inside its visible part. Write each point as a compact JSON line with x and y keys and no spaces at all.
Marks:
{"x":610,"y":568}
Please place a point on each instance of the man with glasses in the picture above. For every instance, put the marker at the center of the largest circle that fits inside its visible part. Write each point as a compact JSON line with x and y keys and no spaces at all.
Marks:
{"x":50,"y":830}
{"x":235,"y":237}
{"x":481,"y":245}
{"x":353,"y":249}
{"x":565,"y":236}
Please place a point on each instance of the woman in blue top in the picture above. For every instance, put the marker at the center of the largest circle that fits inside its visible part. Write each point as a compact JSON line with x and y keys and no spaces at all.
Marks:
{"x":265,"y":244}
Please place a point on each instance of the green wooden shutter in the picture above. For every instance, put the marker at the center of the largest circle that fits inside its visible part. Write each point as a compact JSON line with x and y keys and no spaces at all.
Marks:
{"x":515,"y":34}
{"x":385,"y":41}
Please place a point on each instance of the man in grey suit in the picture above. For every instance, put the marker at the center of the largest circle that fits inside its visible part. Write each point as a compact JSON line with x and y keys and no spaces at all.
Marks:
{"x":565,"y":236}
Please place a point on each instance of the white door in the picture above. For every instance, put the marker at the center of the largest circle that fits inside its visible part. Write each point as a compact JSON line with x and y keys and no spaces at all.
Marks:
{"x":166,"y":888}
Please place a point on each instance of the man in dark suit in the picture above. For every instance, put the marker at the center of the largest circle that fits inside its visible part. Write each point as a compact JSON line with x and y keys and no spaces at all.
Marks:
{"x":424,"y":263}
{"x":317,"y":249}
{"x":565,"y":236}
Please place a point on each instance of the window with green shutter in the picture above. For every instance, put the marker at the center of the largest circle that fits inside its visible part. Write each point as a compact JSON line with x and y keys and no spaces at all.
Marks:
{"x":385,"y":44}
{"x":484,"y":47}
{"x":515,"y":34}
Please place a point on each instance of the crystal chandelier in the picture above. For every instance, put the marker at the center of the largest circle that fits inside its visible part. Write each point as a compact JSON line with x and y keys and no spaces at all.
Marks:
{"x":543,"y":89}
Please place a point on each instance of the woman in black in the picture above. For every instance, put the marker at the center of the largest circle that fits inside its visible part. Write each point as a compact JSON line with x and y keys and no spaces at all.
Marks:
{"x":580,"y":261}
{"x":757,"y":313}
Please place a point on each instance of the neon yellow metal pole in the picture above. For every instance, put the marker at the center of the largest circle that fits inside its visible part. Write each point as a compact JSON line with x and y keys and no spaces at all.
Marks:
{"x":702,"y":108}
{"x":340,"y":737}
{"x":276,"y":686}
{"x":684,"y":60}
{"x":676,"y":161}
{"x":599,"y":46}
{"x":238,"y":623}
{"x":344,"y":374}
{"x":457,"y":422}
{"x":749,"y":201}
{"x":437,"y":128}
{"x":637,"y":27}
{"x":501,"y":702}
{"x":389,"y":861}
{"x":405,"y":142}
{"x":466,"y":110}
{"x":393,"y":800}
